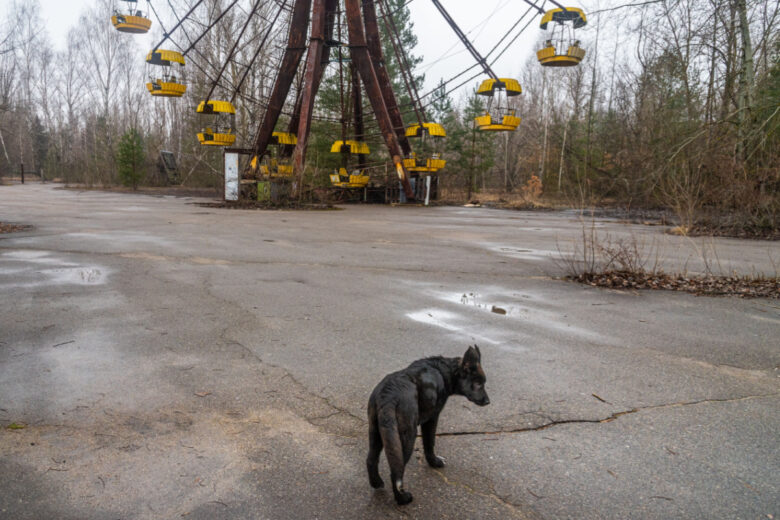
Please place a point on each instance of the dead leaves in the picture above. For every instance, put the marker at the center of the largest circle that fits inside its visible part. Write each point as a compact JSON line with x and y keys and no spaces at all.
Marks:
{"x":744,"y":287}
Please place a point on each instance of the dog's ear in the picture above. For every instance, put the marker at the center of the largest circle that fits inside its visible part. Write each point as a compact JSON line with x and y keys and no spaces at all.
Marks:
{"x":471,"y":358}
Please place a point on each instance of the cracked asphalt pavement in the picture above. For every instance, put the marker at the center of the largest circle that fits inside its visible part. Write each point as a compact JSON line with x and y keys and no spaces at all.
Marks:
{"x":160,"y":359}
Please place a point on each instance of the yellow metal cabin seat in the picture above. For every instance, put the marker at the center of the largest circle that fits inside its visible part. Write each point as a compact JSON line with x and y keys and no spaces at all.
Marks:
{"x":215,"y":107}
{"x":342,"y":179}
{"x":208,"y":137}
{"x":358,"y":180}
{"x":169,"y":85}
{"x":273,"y":169}
{"x":508,"y":123}
{"x":565,"y":23}
{"x":280,"y":169}
{"x":224,"y":135}
{"x":430,"y":164}
{"x":131,"y":23}
{"x":549,"y":58}
{"x":160,"y":87}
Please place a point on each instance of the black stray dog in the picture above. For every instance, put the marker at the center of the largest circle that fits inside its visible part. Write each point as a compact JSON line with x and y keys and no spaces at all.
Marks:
{"x":412,"y":396}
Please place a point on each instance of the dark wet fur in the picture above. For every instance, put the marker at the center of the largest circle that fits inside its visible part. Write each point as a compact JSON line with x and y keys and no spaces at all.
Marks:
{"x":415,"y":396}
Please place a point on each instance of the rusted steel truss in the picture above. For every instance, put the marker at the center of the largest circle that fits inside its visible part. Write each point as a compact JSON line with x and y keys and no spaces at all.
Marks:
{"x":322,"y":16}
{"x":296,"y":44}
{"x":367,"y":59}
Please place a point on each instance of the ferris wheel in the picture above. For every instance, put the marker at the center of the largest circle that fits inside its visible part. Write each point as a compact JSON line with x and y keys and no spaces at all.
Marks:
{"x":340,"y":38}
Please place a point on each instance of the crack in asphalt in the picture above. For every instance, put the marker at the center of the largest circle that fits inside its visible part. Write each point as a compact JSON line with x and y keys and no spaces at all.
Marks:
{"x":515,"y":508}
{"x":610,"y":418}
{"x":287,"y":374}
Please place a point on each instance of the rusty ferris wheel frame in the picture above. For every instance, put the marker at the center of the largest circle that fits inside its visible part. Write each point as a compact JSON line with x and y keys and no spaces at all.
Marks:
{"x":316,"y":18}
{"x":366,"y":53}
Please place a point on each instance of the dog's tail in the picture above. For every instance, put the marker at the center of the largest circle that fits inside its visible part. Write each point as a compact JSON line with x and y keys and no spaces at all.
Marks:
{"x":391,"y":439}
{"x":374,"y":446}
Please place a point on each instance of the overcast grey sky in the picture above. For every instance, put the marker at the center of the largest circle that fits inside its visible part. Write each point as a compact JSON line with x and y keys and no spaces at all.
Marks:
{"x":485,"y":22}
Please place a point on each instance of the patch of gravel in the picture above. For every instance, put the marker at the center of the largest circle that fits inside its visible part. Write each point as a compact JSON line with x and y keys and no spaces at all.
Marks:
{"x":744,"y":287}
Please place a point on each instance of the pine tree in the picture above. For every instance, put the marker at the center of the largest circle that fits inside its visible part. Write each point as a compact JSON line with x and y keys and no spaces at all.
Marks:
{"x":440,"y":107}
{"x":130,"y":157}
{"x":473,"y":152}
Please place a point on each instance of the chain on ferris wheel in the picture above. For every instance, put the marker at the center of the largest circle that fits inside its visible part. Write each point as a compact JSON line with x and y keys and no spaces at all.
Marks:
{"x":326,"y":29}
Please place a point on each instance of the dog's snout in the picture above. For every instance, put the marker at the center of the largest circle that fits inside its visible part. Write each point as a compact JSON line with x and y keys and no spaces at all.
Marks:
{"x":485,"y":401}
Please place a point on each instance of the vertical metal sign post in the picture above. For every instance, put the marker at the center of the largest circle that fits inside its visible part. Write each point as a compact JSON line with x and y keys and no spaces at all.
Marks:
{"x":231,"y":175}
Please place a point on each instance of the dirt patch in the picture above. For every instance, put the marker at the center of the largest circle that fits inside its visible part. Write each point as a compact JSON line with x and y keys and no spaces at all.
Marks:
{"x":267,"y":205}
{"x":744,"y":287}
{"x":8,"y":227}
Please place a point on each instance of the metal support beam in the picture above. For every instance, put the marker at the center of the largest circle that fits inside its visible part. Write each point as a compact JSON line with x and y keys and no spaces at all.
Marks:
{"x":232,"y":50}
{"x":375,"y":50}
{"x":405,"y":68}
{"x":296,"y":44}
{"x":362,"y":59}
{"x":315,"y":65}
{"x":167,"y":35}
{"x":477,"y":56}
{"x":357,"y":110}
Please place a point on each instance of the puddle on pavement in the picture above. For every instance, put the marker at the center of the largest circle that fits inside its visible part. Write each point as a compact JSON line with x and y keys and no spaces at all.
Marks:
{"x":448,"y":321}
{"x":515,"y":316}
{"x":76,"y":275}
{"x":471,"y":299}
{"x":26,"y":271}
{"x":524,"y":253}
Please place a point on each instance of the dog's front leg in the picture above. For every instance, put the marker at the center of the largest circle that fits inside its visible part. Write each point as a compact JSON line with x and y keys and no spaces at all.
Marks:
{"x":429,"y":441}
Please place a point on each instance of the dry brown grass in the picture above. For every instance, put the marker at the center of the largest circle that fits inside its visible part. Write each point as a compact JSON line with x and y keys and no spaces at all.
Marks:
{"x":601,"y":260}
{"x":502,"y":199}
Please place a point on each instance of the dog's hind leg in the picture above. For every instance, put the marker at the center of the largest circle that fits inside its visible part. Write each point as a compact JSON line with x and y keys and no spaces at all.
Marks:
{"x":429,"y":441}
{"x":374,"y":448}
{"x":394,"y":451}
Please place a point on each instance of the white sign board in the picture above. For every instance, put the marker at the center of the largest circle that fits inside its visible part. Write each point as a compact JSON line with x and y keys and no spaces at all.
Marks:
{"x":231,"y":176}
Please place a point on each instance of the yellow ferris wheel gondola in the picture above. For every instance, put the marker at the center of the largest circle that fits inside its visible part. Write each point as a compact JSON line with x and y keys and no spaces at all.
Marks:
{"x":431,"y":136}
{"x":134,"y":21}
{"x":562,"y":49}
{"x":342,"y":178}
{"x":499,"y":116}
{"x":167,"y":84}
{"x":220,"y":132}
{"x":276,"y":165}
